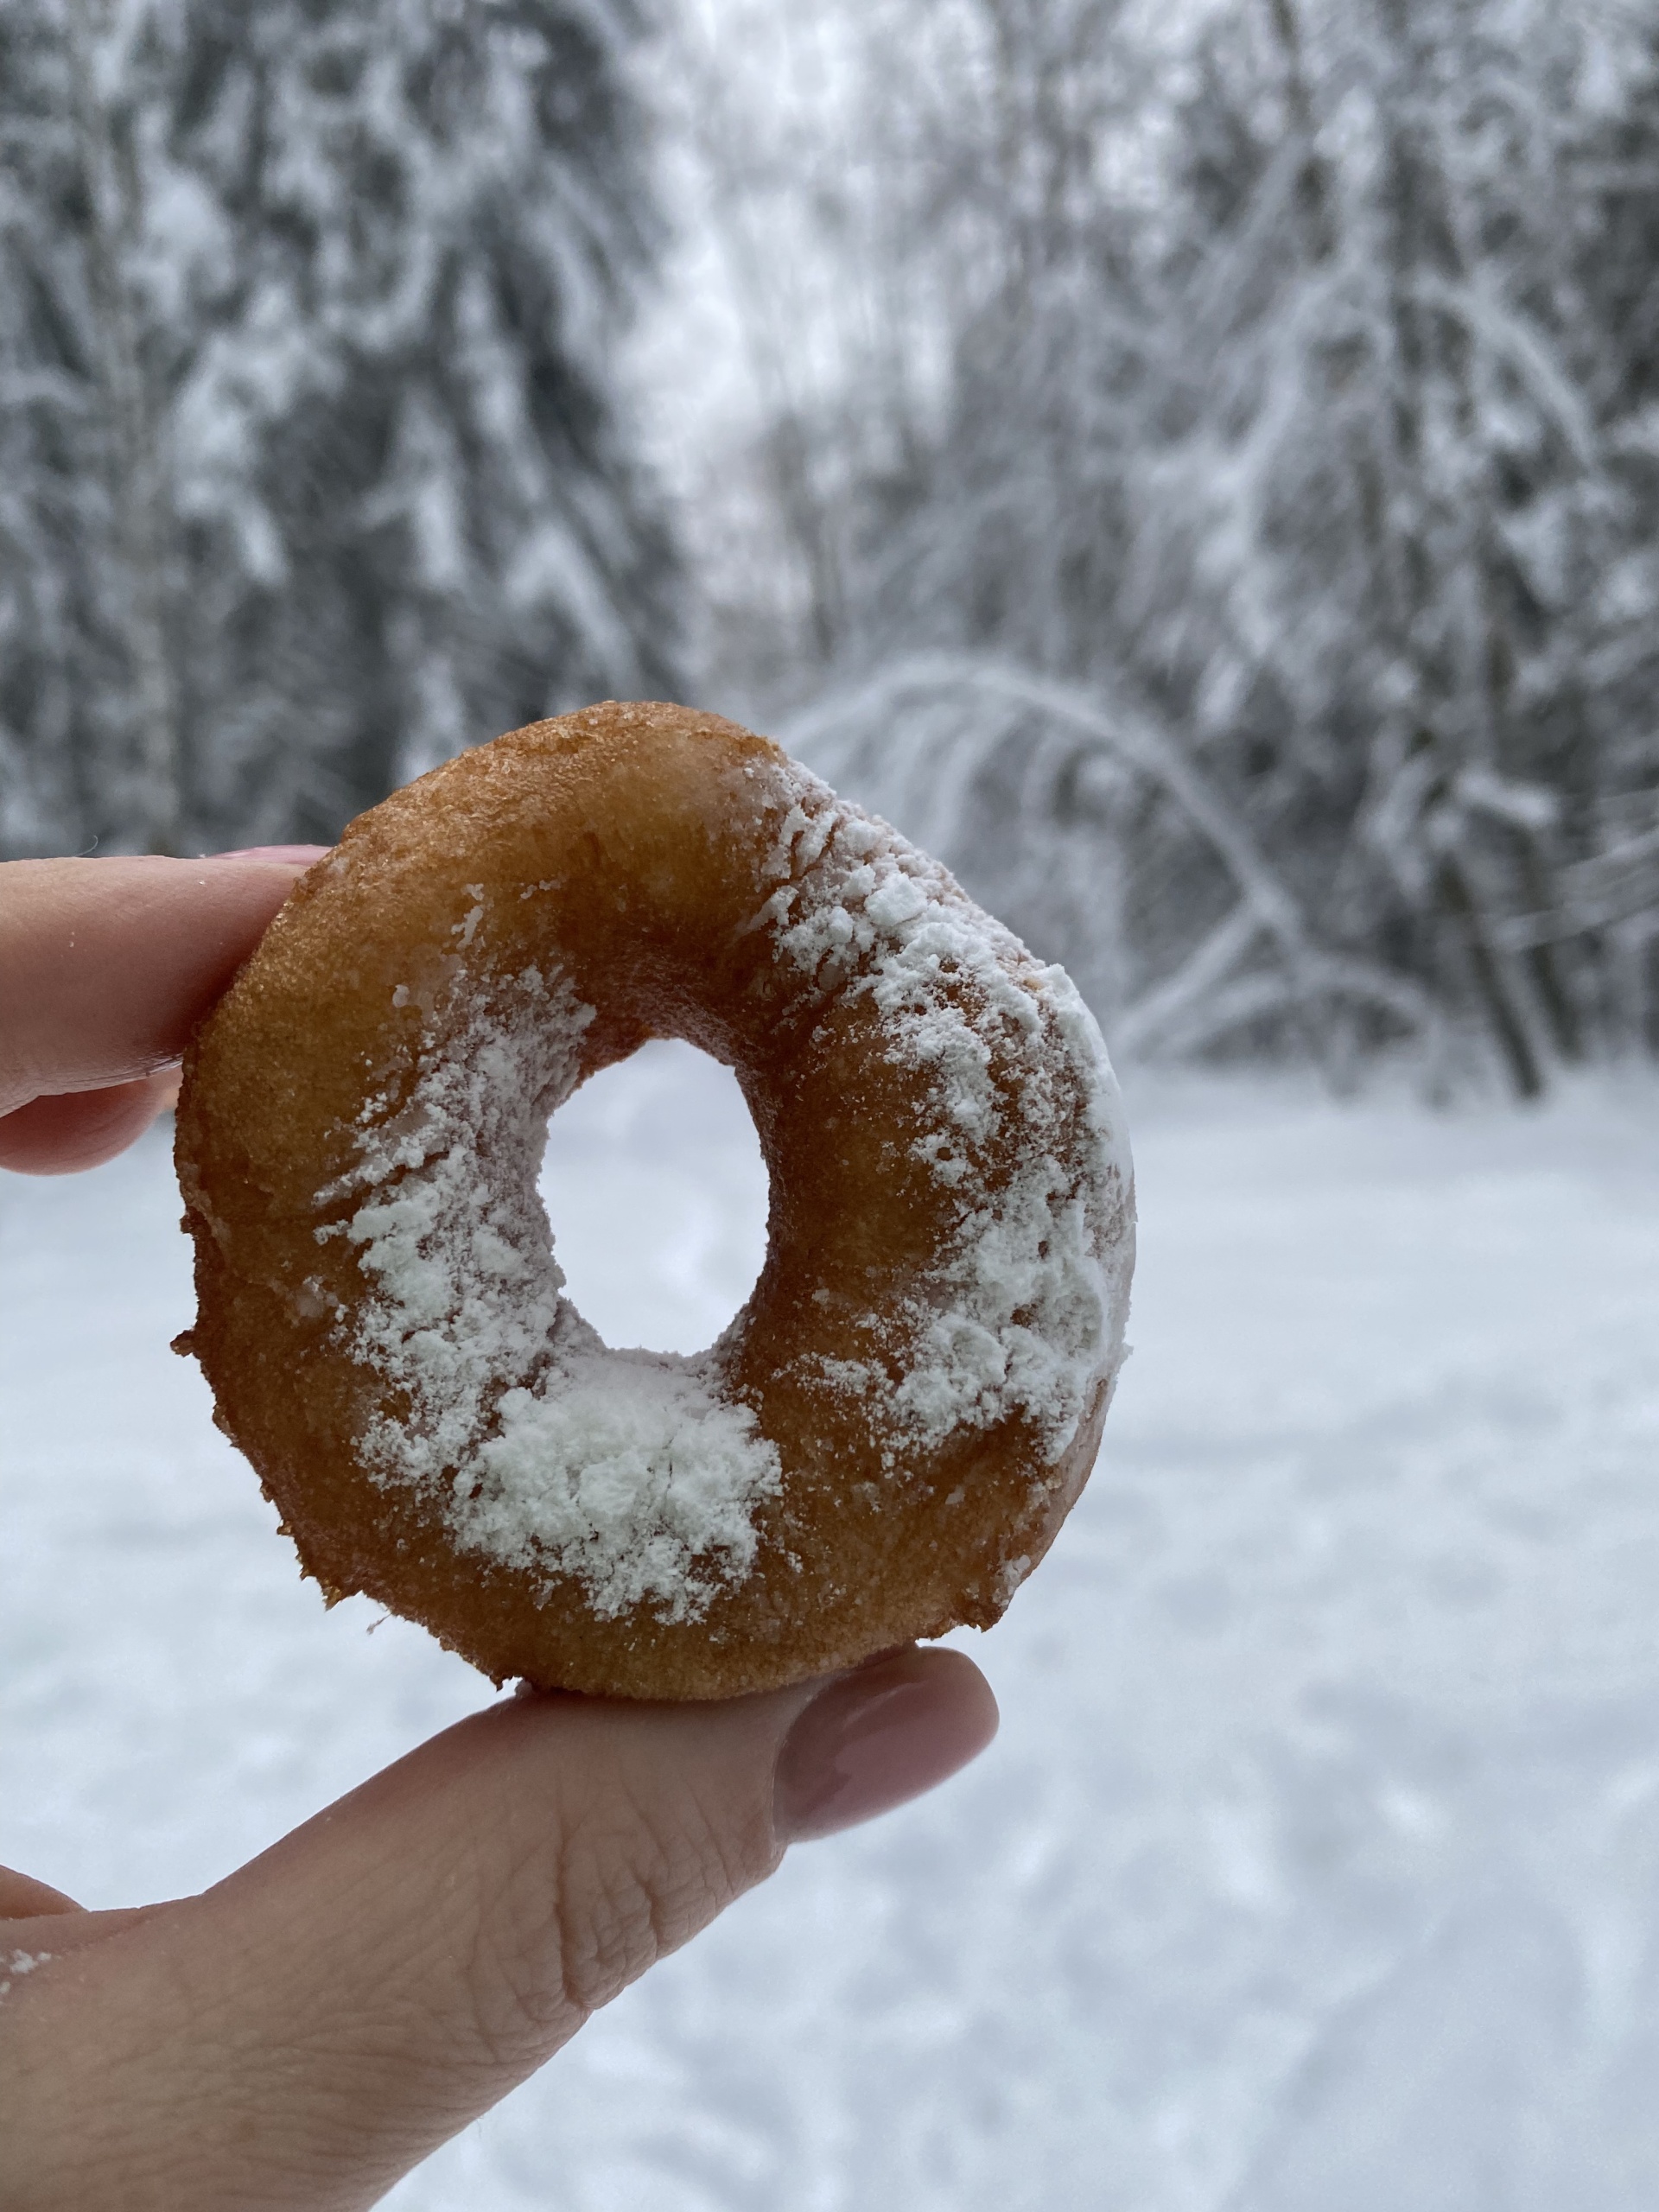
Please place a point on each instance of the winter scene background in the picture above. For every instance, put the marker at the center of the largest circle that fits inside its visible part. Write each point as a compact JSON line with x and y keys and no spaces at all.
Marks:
{"x":1196,"y":469}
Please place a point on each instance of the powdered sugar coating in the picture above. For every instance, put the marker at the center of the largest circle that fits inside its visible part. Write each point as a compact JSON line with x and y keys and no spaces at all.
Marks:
{"x":14,"y":1965}
{"x":1025,"y":1309}
{"x":629,"y":1470}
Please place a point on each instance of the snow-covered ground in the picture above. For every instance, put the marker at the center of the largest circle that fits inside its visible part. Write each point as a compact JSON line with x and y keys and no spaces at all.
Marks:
{"x":1316,"y":1867}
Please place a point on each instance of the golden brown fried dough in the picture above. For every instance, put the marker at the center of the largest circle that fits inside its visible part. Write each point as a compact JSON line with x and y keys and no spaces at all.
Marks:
{"x":890,"y":1432}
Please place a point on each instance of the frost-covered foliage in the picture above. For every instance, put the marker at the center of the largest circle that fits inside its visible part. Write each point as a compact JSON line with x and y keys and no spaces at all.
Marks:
{"x":311,"y":470}
{"x":1245,"y":421}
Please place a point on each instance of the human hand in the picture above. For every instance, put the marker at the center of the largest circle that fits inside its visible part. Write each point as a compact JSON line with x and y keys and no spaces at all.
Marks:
{"x":105,"y":968}
{"x":311,"y":2027}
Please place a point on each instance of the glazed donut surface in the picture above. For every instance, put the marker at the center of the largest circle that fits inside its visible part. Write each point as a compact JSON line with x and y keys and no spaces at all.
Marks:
{"x":887,"y":1436}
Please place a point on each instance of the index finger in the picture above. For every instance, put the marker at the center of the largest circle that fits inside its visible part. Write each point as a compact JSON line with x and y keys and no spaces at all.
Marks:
{"x":107,"y":965}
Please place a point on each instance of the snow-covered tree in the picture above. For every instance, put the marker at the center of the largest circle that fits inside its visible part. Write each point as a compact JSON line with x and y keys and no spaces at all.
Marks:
{"x":314,"y":464}
{"x":1403,"y":485}
{"x":1259,"y":602}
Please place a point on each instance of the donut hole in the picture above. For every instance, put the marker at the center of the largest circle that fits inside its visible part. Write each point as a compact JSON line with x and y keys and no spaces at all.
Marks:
{"x":656,"y":1192}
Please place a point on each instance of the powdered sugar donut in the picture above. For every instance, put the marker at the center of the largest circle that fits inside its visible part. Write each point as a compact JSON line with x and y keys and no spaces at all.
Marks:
{"x":887,"y":1436}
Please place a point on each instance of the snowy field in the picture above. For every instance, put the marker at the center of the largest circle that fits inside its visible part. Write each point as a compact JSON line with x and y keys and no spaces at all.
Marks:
{"x":1316,"y":1867}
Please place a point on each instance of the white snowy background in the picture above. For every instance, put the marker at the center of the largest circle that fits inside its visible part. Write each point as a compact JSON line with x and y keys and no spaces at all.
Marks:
{"x":1057,"y":505}
{"x":1316,"y":1868}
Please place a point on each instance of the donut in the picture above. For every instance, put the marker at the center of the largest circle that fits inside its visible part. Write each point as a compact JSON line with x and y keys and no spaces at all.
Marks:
{"x":887,"y":1436}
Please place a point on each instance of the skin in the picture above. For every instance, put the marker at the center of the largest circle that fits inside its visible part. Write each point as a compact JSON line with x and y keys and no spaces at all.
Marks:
{"x":311,"y":2027}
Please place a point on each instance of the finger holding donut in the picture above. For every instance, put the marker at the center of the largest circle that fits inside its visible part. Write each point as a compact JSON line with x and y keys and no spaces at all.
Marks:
{"x":310,"y":2028}
{"x":106,"y":966}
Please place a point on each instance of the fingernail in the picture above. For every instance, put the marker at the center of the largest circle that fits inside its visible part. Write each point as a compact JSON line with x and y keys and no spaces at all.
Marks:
{"x":873,"y":1738}
{"x":299,"y":856}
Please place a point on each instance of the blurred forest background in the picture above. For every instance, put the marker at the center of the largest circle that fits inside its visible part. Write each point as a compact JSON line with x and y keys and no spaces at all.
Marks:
{"x":1195,"y":467}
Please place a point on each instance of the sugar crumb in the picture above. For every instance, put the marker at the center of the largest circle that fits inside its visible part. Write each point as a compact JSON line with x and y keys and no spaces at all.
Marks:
{"x":633,"y":1473}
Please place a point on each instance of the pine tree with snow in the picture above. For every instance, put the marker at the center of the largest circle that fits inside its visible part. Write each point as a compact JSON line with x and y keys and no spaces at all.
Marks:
{"x":1260,"y":606}
{"x":1406,"y":461}
{"x":313,"y":466}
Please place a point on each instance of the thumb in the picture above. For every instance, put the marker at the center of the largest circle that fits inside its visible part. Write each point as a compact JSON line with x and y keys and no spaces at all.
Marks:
{"x":309,"y":2030}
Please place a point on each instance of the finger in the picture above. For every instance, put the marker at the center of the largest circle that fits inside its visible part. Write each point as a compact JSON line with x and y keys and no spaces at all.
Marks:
{"x":52,"y":1931}
{"x":106,"y":966}
{"x":22,"y":1896}
{"x":310,"y":2029}
{"x":83,"y":1128}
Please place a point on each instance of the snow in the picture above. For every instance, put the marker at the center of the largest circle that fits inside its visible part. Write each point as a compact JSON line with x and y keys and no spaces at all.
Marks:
{"x":1317,"y":1865}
